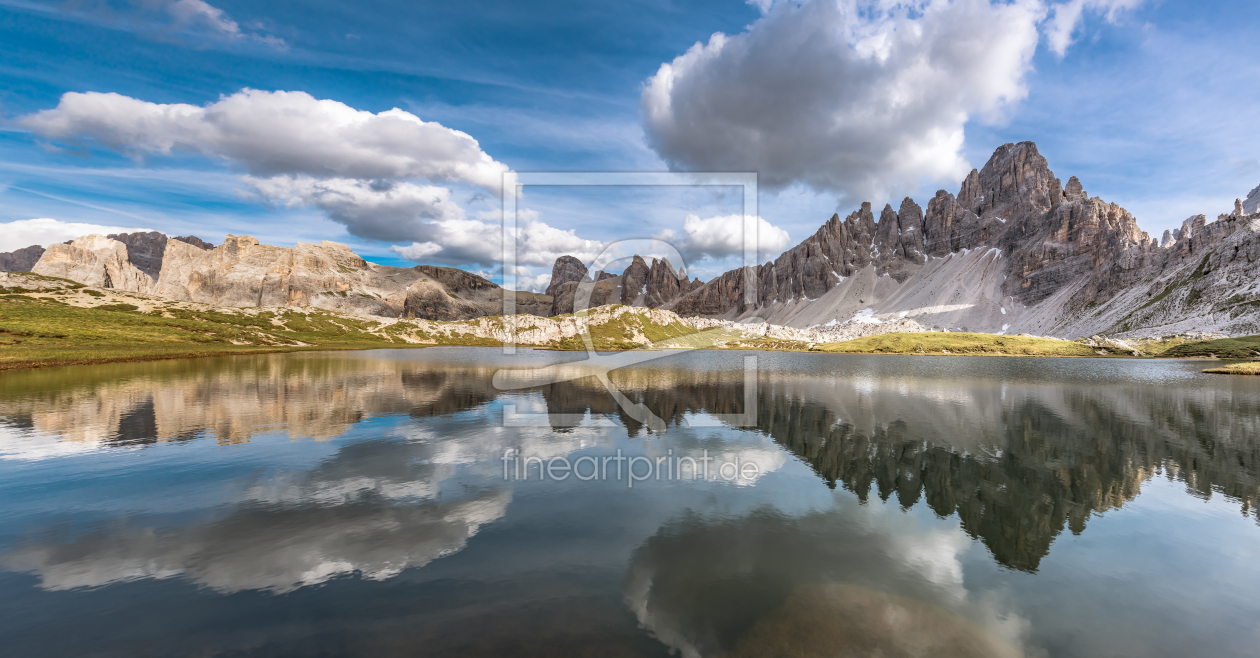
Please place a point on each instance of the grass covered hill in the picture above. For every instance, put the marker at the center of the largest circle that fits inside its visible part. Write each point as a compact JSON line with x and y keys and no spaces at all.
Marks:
{"x":960,"y":343}
{"x":1245,"y":347}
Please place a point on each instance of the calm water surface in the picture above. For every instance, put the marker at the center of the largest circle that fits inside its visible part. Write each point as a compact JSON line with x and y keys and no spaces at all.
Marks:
{"x":369,"y":504}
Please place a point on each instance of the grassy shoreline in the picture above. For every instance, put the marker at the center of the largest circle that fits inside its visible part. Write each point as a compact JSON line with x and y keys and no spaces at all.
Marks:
{"x":963,"y":344}
{"x":1250,"y":368}
{"x":63,"y":323}
{"x":40,"y":332}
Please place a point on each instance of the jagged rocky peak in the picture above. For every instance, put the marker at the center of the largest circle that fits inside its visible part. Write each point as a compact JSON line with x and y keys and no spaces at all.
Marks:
{"x":633,"y":281}
{"x":1074,"y":191}
{"x":899,"y":239}
{"x":1013,"y":219}
{"x":235,"y":244}
{"x":566,"y":269}
{"x":21,"y":260}
{"x":1190,"y":226}
{"x":1015,"y":179}
{"x":663,"y":284}
{"x":641,"y":284}
{"x":194,"y":241}
{"x":1252,"y":203}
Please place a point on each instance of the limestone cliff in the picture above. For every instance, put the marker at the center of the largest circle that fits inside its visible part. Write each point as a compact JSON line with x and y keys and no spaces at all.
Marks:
{"x":147,"y":249}
{"x":94,"y":260}
{"x":243,"y":272}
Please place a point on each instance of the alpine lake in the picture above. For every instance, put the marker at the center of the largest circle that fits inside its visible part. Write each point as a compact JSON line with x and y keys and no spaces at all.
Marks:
{"x":469,"y":502}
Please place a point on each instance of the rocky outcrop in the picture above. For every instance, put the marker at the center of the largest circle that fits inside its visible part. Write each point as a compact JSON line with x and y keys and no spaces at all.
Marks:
{"x":194,"y":241}
{"x":639,"y":285}
{"x":633,"y":282}
{"x":144,"y":250}
{"x":94,"y":260}
{"x":242,"y":272}
{"x":566,"y":269}
{"x":21,"y":260}
{"x":1251,"y":204}
{"x":572,"y":296}
{"x":663,"y":284}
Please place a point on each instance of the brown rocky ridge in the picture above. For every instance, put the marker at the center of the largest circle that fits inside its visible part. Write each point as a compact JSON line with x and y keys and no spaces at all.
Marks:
{"x":243,"y":273}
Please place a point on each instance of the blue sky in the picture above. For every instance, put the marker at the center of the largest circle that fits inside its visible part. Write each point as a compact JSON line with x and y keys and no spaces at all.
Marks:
{"x":1151,"y":104}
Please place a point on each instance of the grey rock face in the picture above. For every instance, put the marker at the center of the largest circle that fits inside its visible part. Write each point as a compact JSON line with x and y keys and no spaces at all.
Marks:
{"x":21,"y":260}
{"x":663,"y":284}
{"x":572,"y":296}
{"x":651,"y":286}
{"x":145,"y":250}
{"x":633,"y":281}
{"x":1073,"y":191}
{"x":194,"y":241}
{"x":1252,"y":203}
{"x":567,"y":268}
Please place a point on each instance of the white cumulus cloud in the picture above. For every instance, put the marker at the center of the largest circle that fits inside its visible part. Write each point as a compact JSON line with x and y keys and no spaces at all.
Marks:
{"x":380,"y":209}
{"x":271,"y":133}
{"x":719,"y":237}
{"x":44,"y":231}
{"x":384,"y":175}
{"x":863,"y":97}
{"x":474,"y":241}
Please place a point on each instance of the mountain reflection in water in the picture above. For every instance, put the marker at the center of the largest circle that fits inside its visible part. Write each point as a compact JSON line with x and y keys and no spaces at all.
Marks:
{"x":877,"y":475}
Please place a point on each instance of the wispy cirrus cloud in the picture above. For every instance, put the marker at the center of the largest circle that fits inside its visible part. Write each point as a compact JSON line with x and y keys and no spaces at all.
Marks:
{"x":1066,"y":18}
{"x":194,"y":22}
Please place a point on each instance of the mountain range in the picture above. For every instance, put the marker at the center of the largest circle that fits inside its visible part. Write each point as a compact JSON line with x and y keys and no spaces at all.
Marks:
{"x":1014,"y":251}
